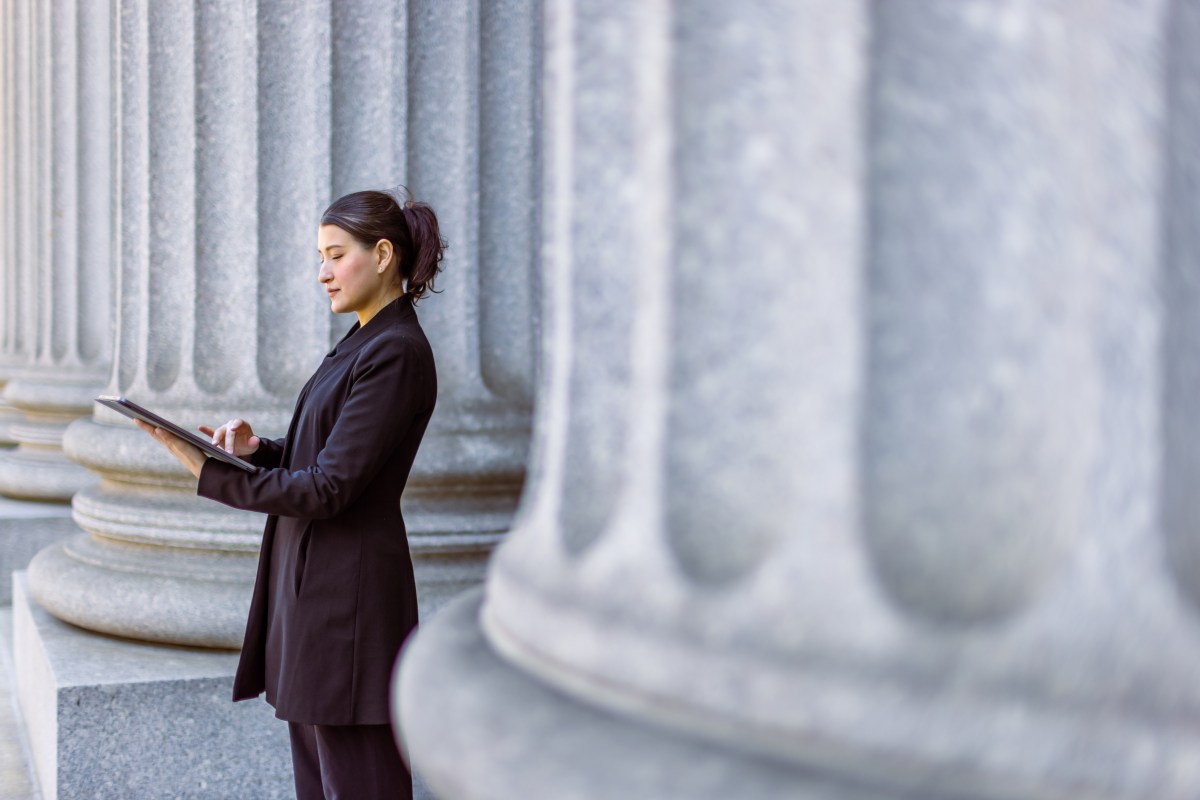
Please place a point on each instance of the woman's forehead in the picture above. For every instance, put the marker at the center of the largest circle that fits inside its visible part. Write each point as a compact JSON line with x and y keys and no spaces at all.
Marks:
{"x":331,"y":235}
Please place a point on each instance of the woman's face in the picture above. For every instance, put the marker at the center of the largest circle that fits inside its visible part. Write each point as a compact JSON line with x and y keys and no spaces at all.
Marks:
{"x":350,"y":274}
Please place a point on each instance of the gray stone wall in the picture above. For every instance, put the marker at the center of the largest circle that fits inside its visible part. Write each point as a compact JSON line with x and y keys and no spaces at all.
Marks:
{"x":863,"y":460}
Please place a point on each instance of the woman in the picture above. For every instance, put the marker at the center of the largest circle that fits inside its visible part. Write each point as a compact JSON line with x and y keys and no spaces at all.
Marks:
{"x":335,"y":595}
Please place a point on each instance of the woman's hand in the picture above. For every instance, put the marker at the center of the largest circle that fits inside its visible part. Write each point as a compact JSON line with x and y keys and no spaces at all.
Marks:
{"x":235,"y":437}
{"x":189,"y":455}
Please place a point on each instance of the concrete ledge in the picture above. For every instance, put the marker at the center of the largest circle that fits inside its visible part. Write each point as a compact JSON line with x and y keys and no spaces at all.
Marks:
{"x":111,"y":718}
{"x":26,"y":527}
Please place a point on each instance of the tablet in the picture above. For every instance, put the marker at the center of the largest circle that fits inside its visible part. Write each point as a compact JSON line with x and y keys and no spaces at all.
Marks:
{"x":134,"y":411}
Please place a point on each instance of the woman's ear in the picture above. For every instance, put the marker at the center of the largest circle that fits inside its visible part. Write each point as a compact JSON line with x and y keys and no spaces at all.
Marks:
{"x":383,"y":254}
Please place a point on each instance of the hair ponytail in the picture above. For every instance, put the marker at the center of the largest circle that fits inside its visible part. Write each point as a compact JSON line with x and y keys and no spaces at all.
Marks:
{"x":410,"y":226}
{"x":427,"y":248}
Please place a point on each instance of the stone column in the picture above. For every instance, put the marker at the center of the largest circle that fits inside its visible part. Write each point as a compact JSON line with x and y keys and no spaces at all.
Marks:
{"x":61,"y":238}
{"x":54,"y":261}
{"x":853,"y":482}
{"x":12,"y":345}
{"x":470,"y":153}
{"x":226,"y":149}
{"x":213,"y":243}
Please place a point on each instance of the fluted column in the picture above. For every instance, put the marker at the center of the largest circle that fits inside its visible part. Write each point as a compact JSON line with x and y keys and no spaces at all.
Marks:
{"x":236,"y":126}
{"x":877,"y":481}
{"x":700,"y":441}
{"x":12,"y":345}
{"x":61,"y":240}
{"x":219,"y":310}
{"x":470,"y":152}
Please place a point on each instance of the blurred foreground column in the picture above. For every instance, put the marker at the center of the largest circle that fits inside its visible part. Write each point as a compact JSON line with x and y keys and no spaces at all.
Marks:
{"x":849,"y":477}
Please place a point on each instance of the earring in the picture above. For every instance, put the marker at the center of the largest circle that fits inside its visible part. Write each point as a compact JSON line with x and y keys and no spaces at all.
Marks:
{"x":381,"y":270}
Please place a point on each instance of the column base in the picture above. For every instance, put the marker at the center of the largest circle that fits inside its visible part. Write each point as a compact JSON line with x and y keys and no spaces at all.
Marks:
{"x":176,"y":596}
{"x":478,"y":728}
{"x":45,"y":475}
{"x":194,"y":598}
{"x":25,"y":528}
{"x":39,"y":469}
{"x":108,"y":718}
{"x":9,"y":416}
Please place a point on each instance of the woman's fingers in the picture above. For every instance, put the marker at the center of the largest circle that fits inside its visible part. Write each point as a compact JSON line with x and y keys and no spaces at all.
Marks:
{"x":187,"y":454}
{"x":231,"y":432}
{"x":226,"y":436}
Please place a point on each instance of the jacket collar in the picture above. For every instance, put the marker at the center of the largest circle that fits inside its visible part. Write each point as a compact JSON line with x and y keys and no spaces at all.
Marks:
{"x":396,"y":311}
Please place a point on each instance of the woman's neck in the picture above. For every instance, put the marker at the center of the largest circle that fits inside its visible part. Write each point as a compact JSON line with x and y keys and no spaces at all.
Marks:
{"x":365,"y":315}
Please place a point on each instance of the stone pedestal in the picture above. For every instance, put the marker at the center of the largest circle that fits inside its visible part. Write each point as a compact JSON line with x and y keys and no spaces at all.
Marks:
{"x":108,"y":718}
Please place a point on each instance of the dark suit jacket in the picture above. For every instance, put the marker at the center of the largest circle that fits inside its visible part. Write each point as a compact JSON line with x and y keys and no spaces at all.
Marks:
{"x":335,"y":595}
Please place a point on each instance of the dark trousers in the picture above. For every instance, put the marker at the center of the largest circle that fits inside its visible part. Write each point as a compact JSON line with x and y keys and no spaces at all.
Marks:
{"x":348,"y":762}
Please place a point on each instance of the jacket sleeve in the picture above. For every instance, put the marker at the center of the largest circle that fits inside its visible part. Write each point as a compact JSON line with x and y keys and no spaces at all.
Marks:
{"x":268,"y":454}
{"x":388,"y":390}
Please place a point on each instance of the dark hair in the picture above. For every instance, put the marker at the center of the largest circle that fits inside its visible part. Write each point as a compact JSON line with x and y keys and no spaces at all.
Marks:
{"x":411,"y":227}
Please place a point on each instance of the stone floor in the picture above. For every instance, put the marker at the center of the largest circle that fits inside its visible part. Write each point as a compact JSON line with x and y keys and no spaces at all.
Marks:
{"x":16,"y":777}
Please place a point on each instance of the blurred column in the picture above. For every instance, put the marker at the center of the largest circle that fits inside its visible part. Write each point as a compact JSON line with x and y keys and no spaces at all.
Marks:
{"x":219,"y":312}
{"x":849,"y":476}
{"x":60,"y":298}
